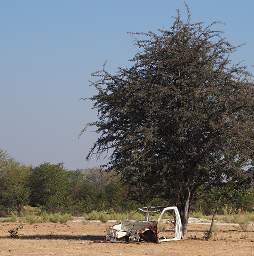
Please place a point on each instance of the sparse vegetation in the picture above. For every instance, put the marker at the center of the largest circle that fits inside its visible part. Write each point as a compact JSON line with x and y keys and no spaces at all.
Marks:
{"x":105,"y":216}
{"x":31,"y":219}
{"x":12,"y":218}
{"x":198,"y":214}
{"x":243,"y":219}
{"x":39,"y":218}
{"x":211,"y":233}
{"x":56,"y":217}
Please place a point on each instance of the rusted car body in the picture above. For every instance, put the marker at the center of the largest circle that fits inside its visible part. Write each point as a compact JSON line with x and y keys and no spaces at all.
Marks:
{"x":147,"y":230}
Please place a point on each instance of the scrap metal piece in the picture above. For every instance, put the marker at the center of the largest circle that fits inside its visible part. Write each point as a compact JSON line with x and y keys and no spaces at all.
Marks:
{"x":147,"y":230}
{"x":133,"y":231}
{"x":178,"y":224}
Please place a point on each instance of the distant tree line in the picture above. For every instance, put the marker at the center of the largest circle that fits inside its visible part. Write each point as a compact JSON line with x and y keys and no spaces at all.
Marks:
{"x":53,"y":188}
{"x":56,"y":189}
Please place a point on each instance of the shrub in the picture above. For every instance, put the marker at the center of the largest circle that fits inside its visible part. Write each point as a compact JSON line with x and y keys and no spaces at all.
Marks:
{"x":29,"y":210}
{"x":243,"y":221}
{"x":56,"y":217}
{"x":31,"y":219}
{"x":197,"y":214}
{"x":212,"y":233}
{"x":12,"y":218}
{"x":64,"y":218}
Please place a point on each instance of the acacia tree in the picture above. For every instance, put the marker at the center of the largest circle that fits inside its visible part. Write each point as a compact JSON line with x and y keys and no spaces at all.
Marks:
{"x":180,"y":117}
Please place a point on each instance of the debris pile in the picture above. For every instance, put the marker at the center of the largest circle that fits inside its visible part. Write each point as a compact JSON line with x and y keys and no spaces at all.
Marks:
{"x":147,"y":230}
{"x":14,"y":232}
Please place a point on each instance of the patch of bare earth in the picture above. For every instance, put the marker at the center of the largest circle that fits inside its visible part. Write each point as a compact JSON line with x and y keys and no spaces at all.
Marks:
{"x":76,"y":238}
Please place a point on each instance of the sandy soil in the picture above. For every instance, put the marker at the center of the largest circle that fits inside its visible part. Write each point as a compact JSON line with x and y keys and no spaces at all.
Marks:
{"x":76,"y":238}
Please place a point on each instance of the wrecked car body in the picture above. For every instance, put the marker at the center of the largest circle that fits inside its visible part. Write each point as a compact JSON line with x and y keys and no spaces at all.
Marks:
{"x":148,"y":230}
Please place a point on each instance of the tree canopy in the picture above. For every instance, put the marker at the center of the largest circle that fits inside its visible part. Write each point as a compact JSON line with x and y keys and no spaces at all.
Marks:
{"x":179,"y":117}
{"x":50,"y":187}
{"x":14,"y":190}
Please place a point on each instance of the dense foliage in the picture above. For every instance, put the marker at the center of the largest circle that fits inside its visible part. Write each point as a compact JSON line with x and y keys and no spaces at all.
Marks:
{"x":55,"y":189}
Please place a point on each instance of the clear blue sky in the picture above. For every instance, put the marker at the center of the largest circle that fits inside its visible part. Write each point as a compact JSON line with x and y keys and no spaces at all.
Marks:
{"x":49,"y":49}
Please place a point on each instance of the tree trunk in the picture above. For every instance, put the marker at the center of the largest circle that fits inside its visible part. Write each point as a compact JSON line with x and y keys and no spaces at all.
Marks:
{"x":19,"y":209}
{"x":210,"y":232}
{"x":184,"y":212}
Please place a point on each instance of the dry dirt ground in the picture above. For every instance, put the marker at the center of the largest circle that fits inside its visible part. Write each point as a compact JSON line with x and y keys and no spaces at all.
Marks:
{"x":77,"y":238}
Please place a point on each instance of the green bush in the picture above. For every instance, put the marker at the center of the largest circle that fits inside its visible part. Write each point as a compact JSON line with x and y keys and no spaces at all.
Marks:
{"x":31,"y":219}
{"x":56,"y":217}
{"x":12,"y":218}
{"x":64,"y":218}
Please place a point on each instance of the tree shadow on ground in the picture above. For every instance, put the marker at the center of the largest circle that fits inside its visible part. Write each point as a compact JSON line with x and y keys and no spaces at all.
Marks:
{"x":91,"y":238}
